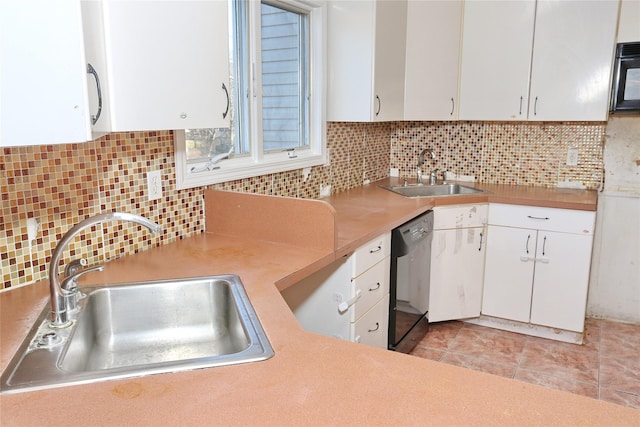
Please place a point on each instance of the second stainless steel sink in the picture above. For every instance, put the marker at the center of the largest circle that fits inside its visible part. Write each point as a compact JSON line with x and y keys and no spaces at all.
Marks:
{"x":424,"y":190}
{"x":140,"y":329}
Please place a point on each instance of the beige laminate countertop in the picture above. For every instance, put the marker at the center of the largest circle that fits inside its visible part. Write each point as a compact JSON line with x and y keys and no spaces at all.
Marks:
{"x":312,"y":379}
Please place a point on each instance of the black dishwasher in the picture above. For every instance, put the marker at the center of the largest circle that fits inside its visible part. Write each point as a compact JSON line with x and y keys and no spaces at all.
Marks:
{"x":409,"y":282}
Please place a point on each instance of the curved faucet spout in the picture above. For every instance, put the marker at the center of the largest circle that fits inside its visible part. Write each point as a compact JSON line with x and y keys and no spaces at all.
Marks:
{"x":59,"y":315}
{"x":421,"y":162}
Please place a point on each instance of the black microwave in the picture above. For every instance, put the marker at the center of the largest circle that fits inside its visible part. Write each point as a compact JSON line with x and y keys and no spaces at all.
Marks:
{"x":625,"y":96}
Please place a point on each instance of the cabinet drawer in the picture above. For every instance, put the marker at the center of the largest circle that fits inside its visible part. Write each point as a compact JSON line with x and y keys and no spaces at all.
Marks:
{"x":460,"y":216}
{"x":372,"y":328}
{"x":373,"y":285}
{"x":369,"y":254}
{"x":540,"y":218}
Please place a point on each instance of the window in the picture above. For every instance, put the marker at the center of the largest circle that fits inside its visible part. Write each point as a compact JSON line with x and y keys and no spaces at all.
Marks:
{"x":277,"y":115}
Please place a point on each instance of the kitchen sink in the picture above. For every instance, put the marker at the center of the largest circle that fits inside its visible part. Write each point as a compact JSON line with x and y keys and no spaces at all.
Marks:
{"x":143,"y":328}
{"x":437,"y":190}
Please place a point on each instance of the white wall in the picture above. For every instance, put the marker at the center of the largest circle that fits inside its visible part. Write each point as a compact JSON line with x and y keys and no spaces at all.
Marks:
{"x":614,"y":288}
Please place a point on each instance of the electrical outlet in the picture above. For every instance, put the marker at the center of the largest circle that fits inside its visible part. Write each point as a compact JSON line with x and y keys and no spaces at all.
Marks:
{"x":572,"y":157}
{"x":154,"y":185}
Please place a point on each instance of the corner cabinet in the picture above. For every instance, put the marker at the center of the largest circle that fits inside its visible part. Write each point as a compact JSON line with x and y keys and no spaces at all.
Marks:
{"x":348,"y":299}
{"x":166,"y":64}
{"x":537,"y":265}
{"x":43,"y":80}
{"x":457,"y":261}
{"x":434,"y":30}
{"x":562,"y":73}
{"x":366,"y":55}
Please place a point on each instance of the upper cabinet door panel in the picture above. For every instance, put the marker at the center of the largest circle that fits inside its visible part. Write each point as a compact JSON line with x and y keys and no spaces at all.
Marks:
{"x":496,"y":57}
{"x":43,"y":80}
{"x":432,"y":60}
{"x":572,"y":56}
{"x":391,"y":22}
{"x":350,"y":43}
{"x":166,"y":63}
{"x":366,"y":55}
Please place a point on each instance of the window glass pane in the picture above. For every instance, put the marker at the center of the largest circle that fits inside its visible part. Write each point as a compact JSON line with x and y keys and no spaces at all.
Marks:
{"x":632,"y":86}
{"x":284,"y":79}
{"x":202,"y":144}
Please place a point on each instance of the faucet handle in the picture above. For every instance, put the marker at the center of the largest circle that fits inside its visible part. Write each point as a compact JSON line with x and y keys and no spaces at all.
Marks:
{"x":444,"y":176}
{"x":70,"y":283}
{"x":73,"y":267}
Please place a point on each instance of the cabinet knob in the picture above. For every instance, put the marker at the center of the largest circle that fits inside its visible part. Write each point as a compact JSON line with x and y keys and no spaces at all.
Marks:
{"x":183,"y":115}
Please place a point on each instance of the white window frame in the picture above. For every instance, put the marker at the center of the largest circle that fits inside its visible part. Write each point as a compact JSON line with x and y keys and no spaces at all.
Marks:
{"x":260,"y":163}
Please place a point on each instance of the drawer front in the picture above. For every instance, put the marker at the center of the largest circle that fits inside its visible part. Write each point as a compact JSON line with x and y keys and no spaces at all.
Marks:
{"x":460,"y":216}
{"x":373,"y":286}
{"x":540,"y":218}
{"x":371,"y":253}
{"x":372,"y":328}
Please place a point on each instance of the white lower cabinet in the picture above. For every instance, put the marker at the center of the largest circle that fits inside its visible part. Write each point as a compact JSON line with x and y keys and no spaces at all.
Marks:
{"x":348,"y":299}
{"x":457,"y":262}
{"x":537,"y":265}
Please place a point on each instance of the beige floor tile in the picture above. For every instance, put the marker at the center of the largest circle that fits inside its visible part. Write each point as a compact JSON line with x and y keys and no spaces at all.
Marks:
{"x":485,"y":344}
{"x":620,"y":398}
{"x":427,"y":353}
{"x":607,"y":366}
{"x":622,"y":374}
{"x":557,"y":360}
{"x":552,"y":381}
{"x":480,"y":364}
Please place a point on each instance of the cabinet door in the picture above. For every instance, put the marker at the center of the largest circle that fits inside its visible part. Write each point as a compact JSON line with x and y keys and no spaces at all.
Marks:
{"x":573,"y":50}
{"x":496,"y":58}
{"x":561,"y":280}
{"x":457,"y":270}
{"x":167,"y":63}
{"x":432,"y":60}
{"x":389,"y":62}
{"x":98,"y":83}
{"x":366,"y":50}
{"x":43,"y":80}
{"x":508,"y":274}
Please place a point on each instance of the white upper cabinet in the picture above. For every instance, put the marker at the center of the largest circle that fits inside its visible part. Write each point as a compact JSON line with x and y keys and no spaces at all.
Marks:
{"x":572,"y":56}
{"x":43,"y":79}
{"x":496,"y":59}
{"x":432,"y":60}
{"x":562,"y":73}
{"x":366,"y":55}
{"x":166,"y":63}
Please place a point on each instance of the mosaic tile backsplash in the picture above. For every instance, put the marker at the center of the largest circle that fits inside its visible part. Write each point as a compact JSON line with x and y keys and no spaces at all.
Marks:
{"x":48,"y":189}
{"x":532,"y":154}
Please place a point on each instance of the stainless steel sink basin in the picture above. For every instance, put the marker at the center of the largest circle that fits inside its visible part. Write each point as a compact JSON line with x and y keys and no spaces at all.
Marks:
{"x":141,"y":329}
{"x":415,"y":190}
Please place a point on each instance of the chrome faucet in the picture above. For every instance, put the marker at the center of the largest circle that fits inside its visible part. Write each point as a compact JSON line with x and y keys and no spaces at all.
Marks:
{"x":421,"y":162}
{"x":64,"y":295}
{"x":433,"y":176}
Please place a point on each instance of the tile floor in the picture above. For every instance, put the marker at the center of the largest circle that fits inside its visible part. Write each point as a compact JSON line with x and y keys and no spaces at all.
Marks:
{"x":606,"y":367}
